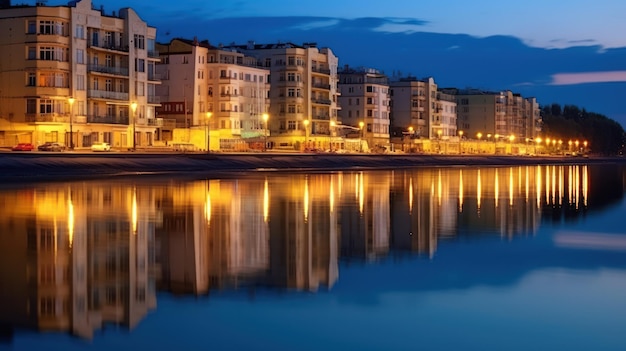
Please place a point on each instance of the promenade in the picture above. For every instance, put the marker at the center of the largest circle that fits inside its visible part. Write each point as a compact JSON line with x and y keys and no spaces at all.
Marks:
{"x":36,"y":166}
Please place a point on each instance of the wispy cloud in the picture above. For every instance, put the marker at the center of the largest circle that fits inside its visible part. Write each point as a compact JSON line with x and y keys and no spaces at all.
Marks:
{"x":588,"y":77}
{"x":317,"y":24}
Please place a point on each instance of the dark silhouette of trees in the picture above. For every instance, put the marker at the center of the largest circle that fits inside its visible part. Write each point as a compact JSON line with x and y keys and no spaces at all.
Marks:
{"x":604,"y":135}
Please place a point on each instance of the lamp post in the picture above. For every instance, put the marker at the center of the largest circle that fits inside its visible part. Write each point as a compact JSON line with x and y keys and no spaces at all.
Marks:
{"x":439,"y":133}
{"x":306,"y":133}
{"x":133,"y":107}
{"x":207,"y":130}
{"x":460,"y":141}
{"x":330,"y":135}
{"x":265,"y":118}
{"x":361,"y":125}
{"x":71,"y":102}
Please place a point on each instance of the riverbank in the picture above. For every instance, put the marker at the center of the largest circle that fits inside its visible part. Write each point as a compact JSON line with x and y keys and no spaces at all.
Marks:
{"x":19,"y":167}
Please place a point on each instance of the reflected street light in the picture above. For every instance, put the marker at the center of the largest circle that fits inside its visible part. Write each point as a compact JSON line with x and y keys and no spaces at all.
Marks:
{"x":265,"y":118}
{"x":133,"y":107}
{"x":71,"y":102}
{"x":208,"y":132}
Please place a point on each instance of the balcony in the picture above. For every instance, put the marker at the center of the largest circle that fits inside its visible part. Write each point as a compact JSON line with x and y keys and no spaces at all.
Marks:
{"x":153,"y":54}
{"x":118,"y":71}
{"x":108,"y":119}
{"x":48,"y":118}
{"x":155,"y":122}
{"x":106,"y":46}
{"x":107,"y":95}
{"x":320,"y":70}
{"x":154,"y":77}
{"x":152,"y":99}
{"x":321,"y":86}
{"x":321,"y":101}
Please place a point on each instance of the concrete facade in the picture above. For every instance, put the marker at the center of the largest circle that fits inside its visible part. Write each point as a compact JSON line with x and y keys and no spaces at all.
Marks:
{"x":104,"y":63}
{"x":365,"y":99}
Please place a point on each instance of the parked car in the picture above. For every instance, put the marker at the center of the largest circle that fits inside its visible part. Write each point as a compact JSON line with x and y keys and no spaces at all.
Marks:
{"x":23,"y":147}
{"x":50,"y":147}
{"x":101,"y":147}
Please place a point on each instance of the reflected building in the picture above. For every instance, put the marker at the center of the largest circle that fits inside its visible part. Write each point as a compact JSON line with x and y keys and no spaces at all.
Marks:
{"x":78,"y":261}
{"x":365,"y":216}
{"x":78,"y":255}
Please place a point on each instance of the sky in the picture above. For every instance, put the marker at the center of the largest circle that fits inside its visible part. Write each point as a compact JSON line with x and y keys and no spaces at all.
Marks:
{"x":559,"y":52}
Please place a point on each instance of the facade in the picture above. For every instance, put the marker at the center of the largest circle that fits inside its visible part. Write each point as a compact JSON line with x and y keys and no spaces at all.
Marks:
{"x":446,"y":116}
{"x":87,"y":76}
{"x":414,"y":106}
{"x":303,"y":94}
{"x":217,"y":89}
{"x":365,"y":100}
{"x":503,"y":115}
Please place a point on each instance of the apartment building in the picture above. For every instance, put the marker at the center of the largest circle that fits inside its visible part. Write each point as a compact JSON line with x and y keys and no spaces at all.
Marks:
{"x":303,"y":93}
{"x":214,"y":90}
{"x":445,"y":119}
{"x":365,"y":104}
{"x":414,"y":105}
{"x":87,"y":76}
{"x":498,"y":114}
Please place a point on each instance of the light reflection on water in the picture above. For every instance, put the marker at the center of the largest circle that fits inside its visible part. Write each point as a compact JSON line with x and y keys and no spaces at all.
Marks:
{"x":78,"y":256}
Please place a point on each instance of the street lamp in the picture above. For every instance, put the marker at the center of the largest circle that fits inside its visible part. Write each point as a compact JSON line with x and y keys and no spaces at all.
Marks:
{"x":330,"y":135}
{"x":71,"y":102}
{"x":265,"y":118}
{"x":133,"y":107}
{"x":306,"y":133}
{"x":207,"y":130}
{"x":361,"y":125}
{"x":460,"y":141}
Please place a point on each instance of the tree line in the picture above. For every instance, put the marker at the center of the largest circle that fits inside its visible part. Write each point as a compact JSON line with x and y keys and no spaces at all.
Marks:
{"x":605,"y":136}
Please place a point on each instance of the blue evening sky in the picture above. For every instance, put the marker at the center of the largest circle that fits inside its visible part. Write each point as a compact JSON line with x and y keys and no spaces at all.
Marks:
{"x":570,"y":52}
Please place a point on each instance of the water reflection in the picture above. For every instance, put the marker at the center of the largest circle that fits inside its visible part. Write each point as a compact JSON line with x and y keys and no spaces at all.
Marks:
{"x":77,"y":255}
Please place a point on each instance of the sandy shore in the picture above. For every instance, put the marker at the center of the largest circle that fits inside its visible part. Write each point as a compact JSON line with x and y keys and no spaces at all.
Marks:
{"x":16,"y":167}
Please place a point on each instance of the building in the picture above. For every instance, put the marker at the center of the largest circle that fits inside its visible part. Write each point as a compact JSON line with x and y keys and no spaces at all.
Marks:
{"x":445,"y":119}
{"x":303,"y":94}
{"x":213,"y":88}
{"x":413,"y":106}
{"x":365,"y":104}
{"x":501,"y":115}
{"x":87,"y":76}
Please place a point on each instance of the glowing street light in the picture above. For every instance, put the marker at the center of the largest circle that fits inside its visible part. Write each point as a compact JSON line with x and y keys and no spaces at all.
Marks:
{"x":306,"y":132}
{"x":265,"y":118}
{"x":479,"y":135}
{"x":71,"y":102}
{"x":361,"y":125}
{"x":208,"y":131}
{"x":330,"y":135}
{"x":133,"y":107}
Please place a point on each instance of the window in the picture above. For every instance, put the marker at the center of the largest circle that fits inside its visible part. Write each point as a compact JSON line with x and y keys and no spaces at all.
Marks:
{"x":32,"y":53}
{"x":370,"y":100}
{"x":291,"y":125}
{"x":291,"y":109}
{"x":45,"y":106}
{"x":140,"y":41}
{"x":291,"y":77}
{"x":80,"y":56}
{"x":291,"y":92}
{"x":80,"y":82}
{"x":80,"y":32}
{"x":140,"y":88}
{"x":369,"y":89}
{"x":32,"y":79}
{"x":32,"y":27}
{"x":31,"y":106}
{"x":140,"y":65}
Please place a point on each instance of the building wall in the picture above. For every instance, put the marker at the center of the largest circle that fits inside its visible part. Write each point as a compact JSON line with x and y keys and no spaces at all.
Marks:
{"x":56,"y":53}
{"x":414,"y":105}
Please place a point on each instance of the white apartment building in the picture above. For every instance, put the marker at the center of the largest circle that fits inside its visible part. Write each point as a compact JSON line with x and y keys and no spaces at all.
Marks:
{"x":216,"y":88}
{"x":87,"y":76}
{"x":365,"y":103}
{"x":445,"y":119}
{"x":303,"y":93}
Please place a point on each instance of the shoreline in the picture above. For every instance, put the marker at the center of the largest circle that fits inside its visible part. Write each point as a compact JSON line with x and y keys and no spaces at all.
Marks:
{"x":38,"y":167}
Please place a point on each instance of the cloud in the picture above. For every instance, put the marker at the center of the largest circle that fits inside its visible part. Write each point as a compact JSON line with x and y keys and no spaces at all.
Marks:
{"x":588,"y":77}
{"x":317,"y":24}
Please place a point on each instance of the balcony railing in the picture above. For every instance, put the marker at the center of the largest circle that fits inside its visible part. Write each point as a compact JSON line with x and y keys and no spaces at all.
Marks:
{"x":155,"y":122}
{"x":321,"y":101}
{"x":153,"y":54}
{"x":154,"y":99}
{"x":48,"y":118}
{"x":154,"y":77}
{"x":108,"y":119}
{"x":102,"y":94}
{"x":107,"y":46}
{"x":321,"y":86}
{"x":120,"y":71}
{"x":320,"y":70}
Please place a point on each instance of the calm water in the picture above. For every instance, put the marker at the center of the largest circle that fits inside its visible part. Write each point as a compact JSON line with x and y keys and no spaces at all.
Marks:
{"x":527,"y":258}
